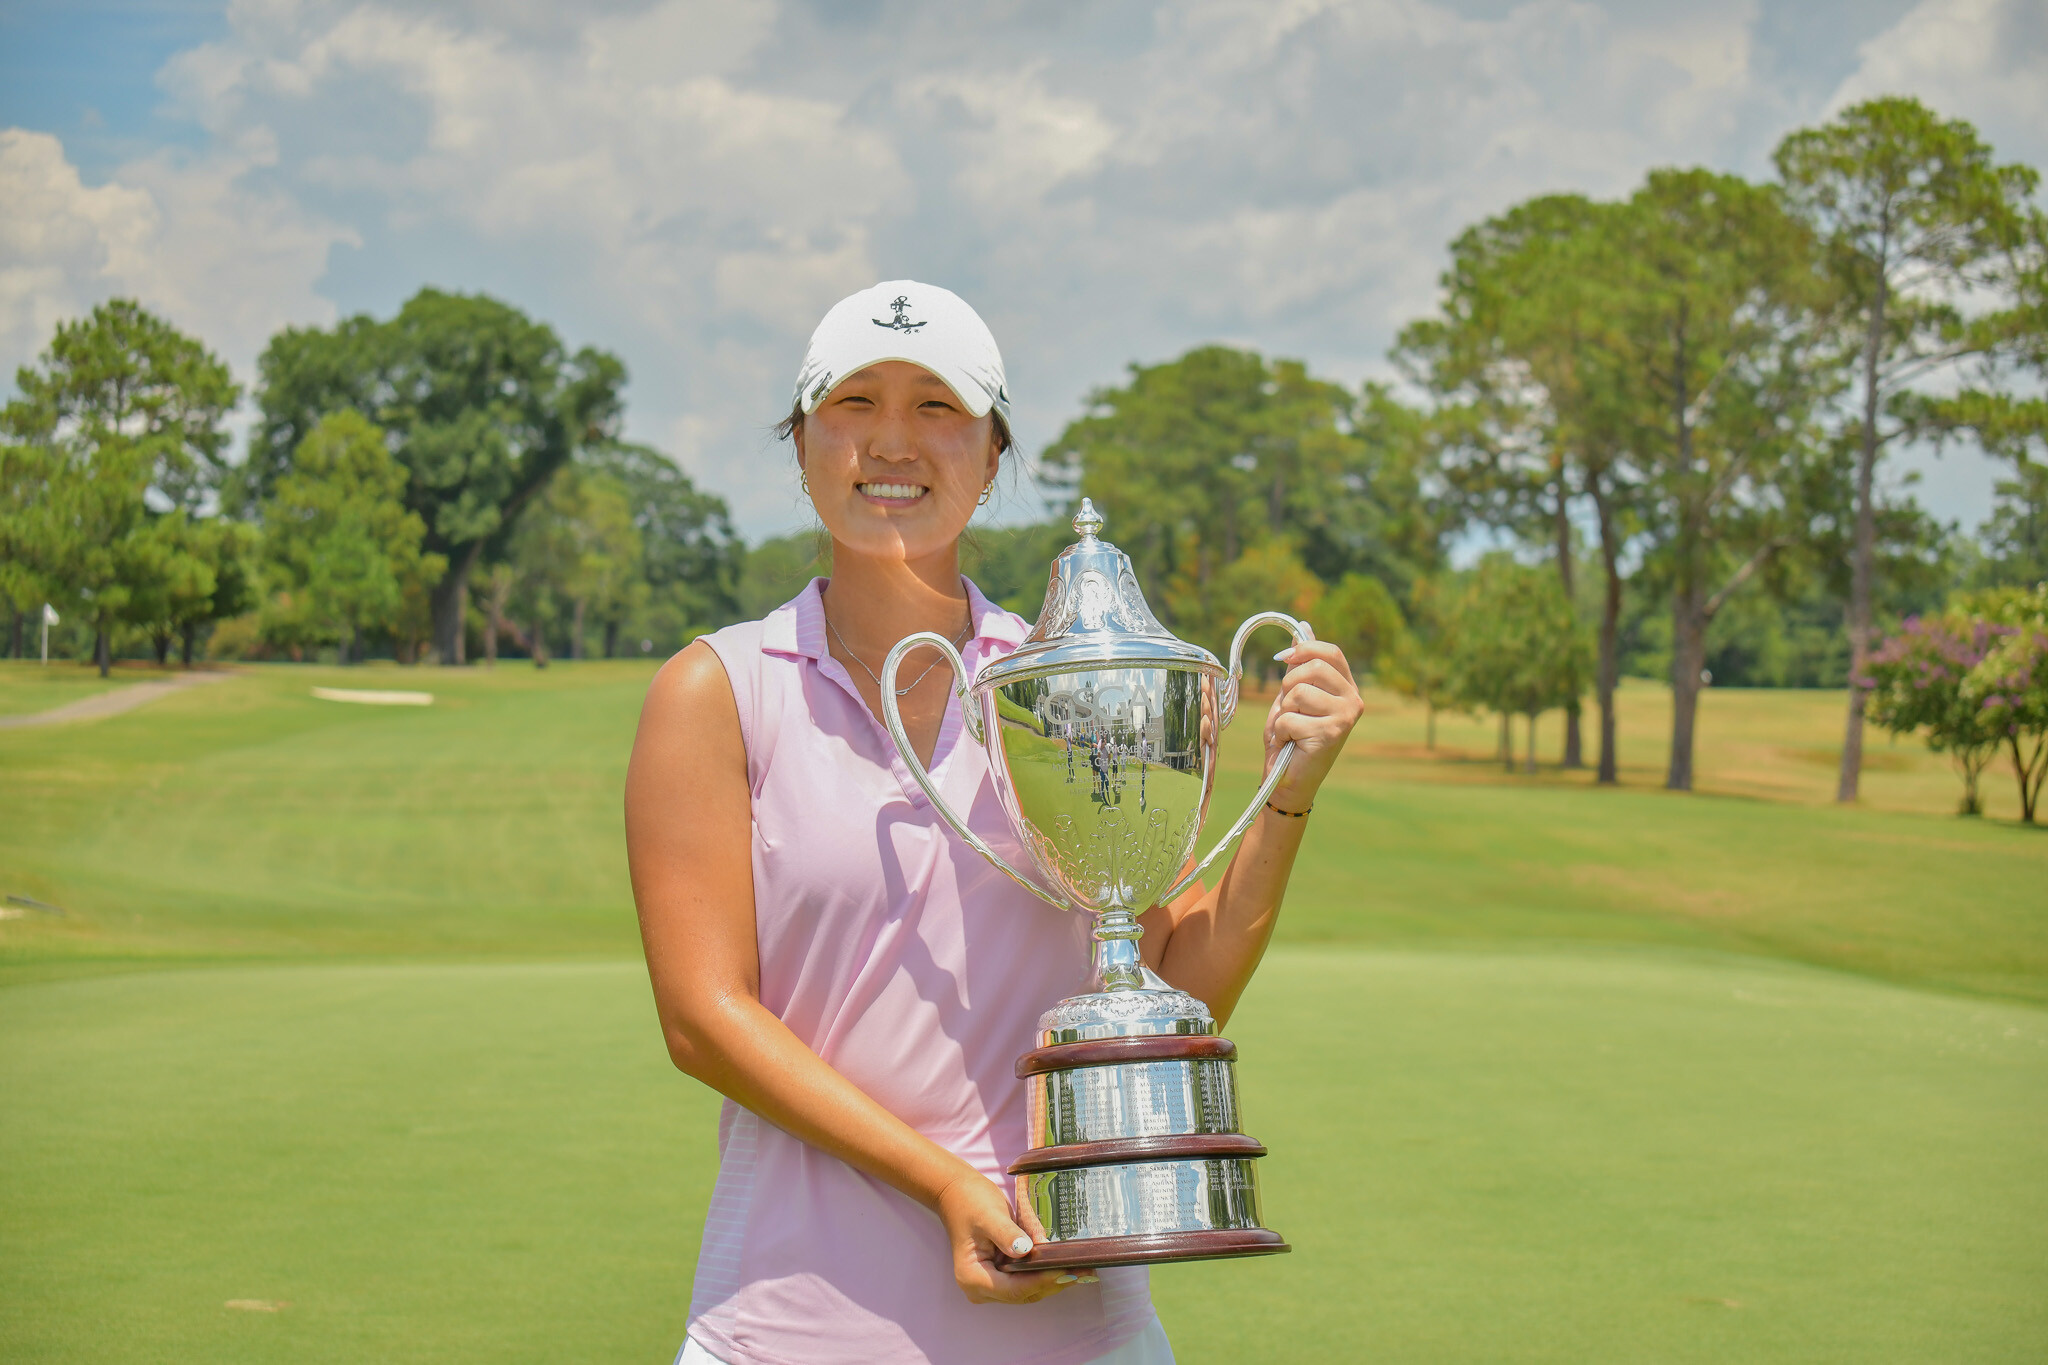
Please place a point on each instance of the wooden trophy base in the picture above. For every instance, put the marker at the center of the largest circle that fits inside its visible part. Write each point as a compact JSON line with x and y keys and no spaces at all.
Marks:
{"x":1093,"y":1253}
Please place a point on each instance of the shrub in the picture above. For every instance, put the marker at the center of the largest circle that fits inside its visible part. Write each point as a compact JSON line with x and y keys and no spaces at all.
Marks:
{"x":1915,"y":680}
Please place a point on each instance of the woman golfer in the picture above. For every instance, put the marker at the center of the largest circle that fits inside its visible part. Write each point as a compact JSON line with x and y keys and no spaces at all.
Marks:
{"x":828,"y":956}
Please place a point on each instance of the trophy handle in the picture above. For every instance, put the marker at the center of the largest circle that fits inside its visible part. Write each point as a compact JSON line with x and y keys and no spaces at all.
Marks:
{"x":1227,"y":708}
{"x":893,"y":719}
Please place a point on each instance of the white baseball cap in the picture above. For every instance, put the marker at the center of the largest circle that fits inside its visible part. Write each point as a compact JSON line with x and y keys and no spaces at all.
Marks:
{"x":905,"y":320}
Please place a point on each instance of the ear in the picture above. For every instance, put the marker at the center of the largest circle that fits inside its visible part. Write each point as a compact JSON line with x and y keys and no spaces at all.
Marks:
{"x":796,"y":438}
{"x":995,"y":451}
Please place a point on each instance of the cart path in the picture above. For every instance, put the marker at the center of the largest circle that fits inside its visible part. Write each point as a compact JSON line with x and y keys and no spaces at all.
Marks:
{"x":111,"y":703}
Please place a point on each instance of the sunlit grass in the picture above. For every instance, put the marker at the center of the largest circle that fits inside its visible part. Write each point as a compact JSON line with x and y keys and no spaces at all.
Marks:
{"x":1782,"y":745}
{"x":251,"y":820}
{"x":29,"y":685}
{"x":1543,"y":1157}
{"x":1548,"y":1072}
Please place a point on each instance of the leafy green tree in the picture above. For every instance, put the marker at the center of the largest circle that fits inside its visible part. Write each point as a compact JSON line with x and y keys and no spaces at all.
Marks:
{"x":2016,"y":534}
{"x":622,"y":543}
{"x":230,"y":549}
{"x":1422,"y":666}
{"x":1172,"y":459}
{"x":777,"y":569}
{"x":130,"y":417}
{"x":122,"y":376}
{"x":1268,"y":577}
{"x":1711,"y":332}
{"x":1362,"y":618}
{"x":2004,"y":407}
{"x":1527,"y":419}
{"x":172,"y":577}
{"x":481,"y":405}
{"x":342,"y":547}
{"x":1515,"y":646}
{"x":1385,"y":514}
{"x":609,"y":578}
{"x":1789,"y":639}
{"x":186,"y":573}
{"x":1011,"y":564}
{"x":1195,"y":461}
{"x":1915,"y":216}
{"x":496,"y":591}
{"x":27,"y":535}
{"x":576,"y":558}
{"x":102,"y":549}
{"x":2010,"y":683}
{"x":690,"y":558}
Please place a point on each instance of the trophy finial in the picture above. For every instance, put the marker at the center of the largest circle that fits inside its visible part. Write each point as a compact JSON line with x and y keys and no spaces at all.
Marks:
{"x":1087,"y":521}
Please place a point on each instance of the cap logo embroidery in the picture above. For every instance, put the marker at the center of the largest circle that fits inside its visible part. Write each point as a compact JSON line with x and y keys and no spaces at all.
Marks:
{"x":823,"y":385}
{"x":899,"y":323}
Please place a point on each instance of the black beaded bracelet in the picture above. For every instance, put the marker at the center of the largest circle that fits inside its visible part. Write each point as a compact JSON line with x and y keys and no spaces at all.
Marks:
{"x":1290,"y":814}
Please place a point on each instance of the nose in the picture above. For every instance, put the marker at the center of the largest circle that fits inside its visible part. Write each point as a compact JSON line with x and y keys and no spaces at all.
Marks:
{"x":892,"y":437}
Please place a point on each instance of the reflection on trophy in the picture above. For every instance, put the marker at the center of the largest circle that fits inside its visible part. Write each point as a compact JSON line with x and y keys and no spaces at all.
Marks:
{"x":1102,"y":731}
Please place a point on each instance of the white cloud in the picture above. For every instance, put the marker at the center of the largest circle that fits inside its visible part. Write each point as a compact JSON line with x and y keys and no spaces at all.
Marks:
{"x":183,"y":235}
{"x":1984,"y":60}
{"x":691,"y":182}
{"x":62,"y":245}
{"x":672,"y":200}
{"x":1289,"y":175}
{"x":1014,"y":141}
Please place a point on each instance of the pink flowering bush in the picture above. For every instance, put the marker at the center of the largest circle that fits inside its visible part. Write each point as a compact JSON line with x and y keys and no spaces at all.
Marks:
{"x":1916,"y":680}
{"x":2008,"y":686}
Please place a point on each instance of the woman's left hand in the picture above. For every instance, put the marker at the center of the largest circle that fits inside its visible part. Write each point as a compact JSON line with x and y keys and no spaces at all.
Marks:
{"x":1316,"y":709}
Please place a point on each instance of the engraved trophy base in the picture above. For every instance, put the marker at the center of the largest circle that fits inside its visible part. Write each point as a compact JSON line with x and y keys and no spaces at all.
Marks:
{"x":1133,"y":1102}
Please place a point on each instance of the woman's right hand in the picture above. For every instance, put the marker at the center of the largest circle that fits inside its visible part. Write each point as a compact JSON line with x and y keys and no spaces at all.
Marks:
{"x":979,"y":1221}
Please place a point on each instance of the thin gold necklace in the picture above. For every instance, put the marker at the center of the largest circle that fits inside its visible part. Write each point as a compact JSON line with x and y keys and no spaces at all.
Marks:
{"x":901,"y":691}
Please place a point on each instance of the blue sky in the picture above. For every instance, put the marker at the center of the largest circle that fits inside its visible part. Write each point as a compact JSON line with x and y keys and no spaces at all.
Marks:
{"x":692,"y":184}
{"x":87,"y":72}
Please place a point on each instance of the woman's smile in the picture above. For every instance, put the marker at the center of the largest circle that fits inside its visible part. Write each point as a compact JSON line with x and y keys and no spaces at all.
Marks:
{"x":892,"y":494}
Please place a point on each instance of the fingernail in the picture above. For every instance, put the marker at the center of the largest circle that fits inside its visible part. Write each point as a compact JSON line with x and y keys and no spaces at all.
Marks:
{"x":1064,"y":1279}
{"x":1281,"y":657}
{"x":1020,"y":1246}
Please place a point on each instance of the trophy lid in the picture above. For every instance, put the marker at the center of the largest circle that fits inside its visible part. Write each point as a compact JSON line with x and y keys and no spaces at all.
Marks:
{"x":1095,"y":616}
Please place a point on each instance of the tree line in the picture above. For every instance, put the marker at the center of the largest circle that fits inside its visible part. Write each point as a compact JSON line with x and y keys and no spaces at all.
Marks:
{"x":1665,"y":417}
{"x":449,"y":476}
{"x":1685,"y":395}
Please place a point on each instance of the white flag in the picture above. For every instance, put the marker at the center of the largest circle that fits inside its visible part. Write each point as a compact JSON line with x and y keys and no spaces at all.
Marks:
{"x":49,"y":614}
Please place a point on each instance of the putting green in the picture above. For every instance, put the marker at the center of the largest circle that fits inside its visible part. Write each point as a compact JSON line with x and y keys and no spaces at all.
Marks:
{"x":1568,"y":1155}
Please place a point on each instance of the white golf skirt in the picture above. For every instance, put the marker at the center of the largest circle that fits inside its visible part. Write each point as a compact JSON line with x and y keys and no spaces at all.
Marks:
{"x":1149,"y":1347}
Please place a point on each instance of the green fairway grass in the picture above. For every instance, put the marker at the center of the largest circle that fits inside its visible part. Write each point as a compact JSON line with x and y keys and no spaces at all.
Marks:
{"x":1631,"y":1156}
{"x":252,"y":821}
{"x":1638,"y":1155}
{"x":426,"y":1163}
{"x":1780,"y":745}
{"x":27,"y":686}
{"x":1549,"y":1072}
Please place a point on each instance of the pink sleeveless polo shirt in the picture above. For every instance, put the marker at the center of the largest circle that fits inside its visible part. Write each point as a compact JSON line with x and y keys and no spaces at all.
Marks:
{"x":918,"y":972}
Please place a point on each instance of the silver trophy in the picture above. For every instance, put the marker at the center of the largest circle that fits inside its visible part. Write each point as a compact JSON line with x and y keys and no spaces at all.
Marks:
{"x":1101,"y":731}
